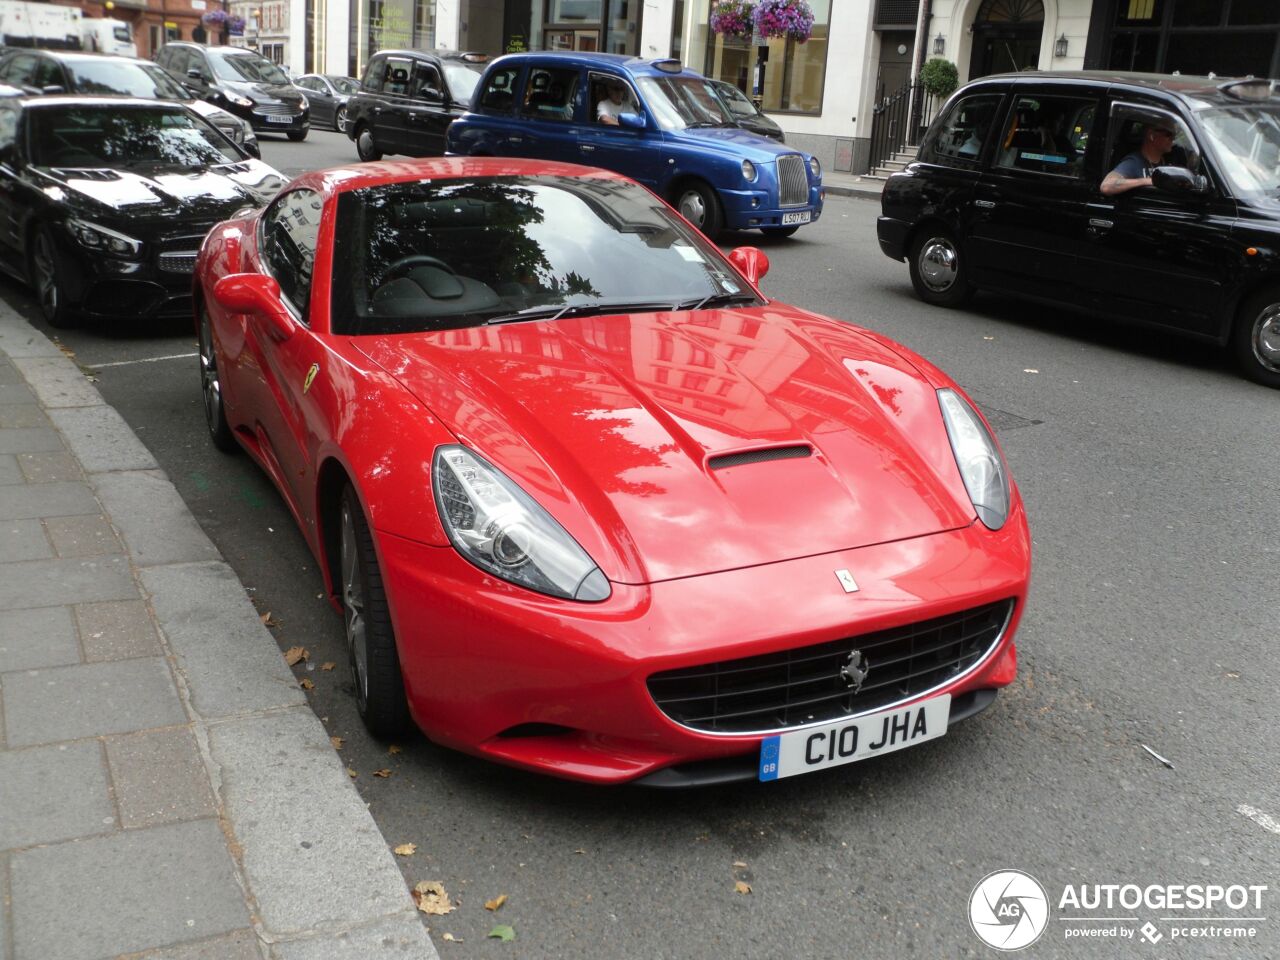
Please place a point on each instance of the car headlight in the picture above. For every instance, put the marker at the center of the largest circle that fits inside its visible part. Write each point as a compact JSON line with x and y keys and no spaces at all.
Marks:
{"x":498,"y":527}
{"x":748,"y":171}
{"x":815,"y":167}
{"x":981,"y":467}
{"x":97,"y":237}
{"x":237,"y":99}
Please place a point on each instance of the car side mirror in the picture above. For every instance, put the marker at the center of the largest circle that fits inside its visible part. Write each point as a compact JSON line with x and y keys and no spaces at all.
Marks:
{"x":256,"y":294}
{"x":1179,"y":180}
{"x":632,"y":121}
{"x":751,"y":262}
{"x":53,"y":88}
{"x":431,"y":95}
{"x":196,"y":74}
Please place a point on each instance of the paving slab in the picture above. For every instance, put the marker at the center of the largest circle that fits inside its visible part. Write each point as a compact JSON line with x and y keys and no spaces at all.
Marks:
{"x":153,"y":519}
{"x":209,"y":622}
{"x":159,"y":777}
{"x":397,"y":937}
{"x":101,"y":440}
{"x":23,"y":540}
{"x":57,"y":382}
{"x":22,"y":502}
{"x":25,"y":415}
{"x":304,"y":843}
{"x":58,"y":467}
{"x":241,"y":945}
{"x":29,"y":440}
{"x":9,"y":471}
{"x":74,"y":774}
{"x":86,"y":536}
{"x":19,"y":340}
{"x":42,"y":637}
{"x":4,"y":907}
{"x":125,"y":893}
{"x":91,"y":699}
{"x":116,"y":630}
{"x":47,"y":583}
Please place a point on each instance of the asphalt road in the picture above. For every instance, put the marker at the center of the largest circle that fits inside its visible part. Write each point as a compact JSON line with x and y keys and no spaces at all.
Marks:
{"x":1148,"y":468}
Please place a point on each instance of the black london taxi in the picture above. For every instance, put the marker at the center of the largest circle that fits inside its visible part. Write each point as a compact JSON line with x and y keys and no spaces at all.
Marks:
{"x":1006,"y":194}
{"x":408,"y":98}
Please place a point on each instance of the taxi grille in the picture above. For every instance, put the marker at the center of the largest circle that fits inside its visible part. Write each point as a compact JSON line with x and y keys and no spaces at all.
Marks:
{"x":793,"y":181}
{"x":801,"y":686}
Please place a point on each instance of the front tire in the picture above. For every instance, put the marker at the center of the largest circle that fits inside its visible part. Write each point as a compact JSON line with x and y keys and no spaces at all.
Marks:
{"x":700,"y":205}
{"x":365,"y":147}
{"x":1255,"y":339}
{"x":215,"y":415}
{"x":43,"y":271}
{"x":371,"y":642}
{"x":938,"y":270}
{"x":297,"y":136}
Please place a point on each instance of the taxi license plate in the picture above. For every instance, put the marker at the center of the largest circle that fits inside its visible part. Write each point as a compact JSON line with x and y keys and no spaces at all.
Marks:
{"x":844,"y":741}
{"x":275,"y":119}
{"x":802,"y":216}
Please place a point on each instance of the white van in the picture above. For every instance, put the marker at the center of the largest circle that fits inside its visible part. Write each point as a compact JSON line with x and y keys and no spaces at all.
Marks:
{"x":107,"y":36}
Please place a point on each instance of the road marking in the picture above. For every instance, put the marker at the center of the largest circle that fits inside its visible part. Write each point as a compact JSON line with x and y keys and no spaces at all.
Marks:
{"x":1260,"y":818}
{"x":125,"y":363}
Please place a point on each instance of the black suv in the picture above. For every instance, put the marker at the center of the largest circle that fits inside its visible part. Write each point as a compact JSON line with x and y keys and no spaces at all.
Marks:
{"x":1006,"y":194}
{"x":241,"y":81}
{"x":408,"y":98}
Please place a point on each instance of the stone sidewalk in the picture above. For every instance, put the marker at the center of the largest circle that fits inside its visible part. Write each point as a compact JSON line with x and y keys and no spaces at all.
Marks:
{"x":165,"y":791}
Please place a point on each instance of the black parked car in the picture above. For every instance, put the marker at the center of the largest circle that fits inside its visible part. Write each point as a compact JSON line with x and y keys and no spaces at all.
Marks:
{"x":408,"y":98}
{"x":744,"y":111}
{"x":104,"y":201}
{"x":61,"y":71}
{"x":241,"y":81}
{"x":327,"y":96}
{"x":1006,"y":195}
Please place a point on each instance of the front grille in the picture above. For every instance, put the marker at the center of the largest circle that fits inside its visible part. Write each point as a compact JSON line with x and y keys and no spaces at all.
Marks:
{"x":183,"y":261}
{"x":277,"y":109}
{"x":793,"y":181}
{"x":792,"y":688}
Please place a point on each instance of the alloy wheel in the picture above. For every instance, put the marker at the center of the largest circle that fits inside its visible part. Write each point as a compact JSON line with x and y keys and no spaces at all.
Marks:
{"x":939,"y":264}
{"x":210,"y":387}
{"x":1265,"y":338}
{"x":353,"y":607}
{"x":340,"y":119}
{"x":45,"y":281}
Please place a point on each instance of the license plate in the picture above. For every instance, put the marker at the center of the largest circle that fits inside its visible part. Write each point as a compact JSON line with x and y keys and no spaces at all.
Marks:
{"x":845,"y":741}
{"x":274,"y":119}
{"x":803,"y":216}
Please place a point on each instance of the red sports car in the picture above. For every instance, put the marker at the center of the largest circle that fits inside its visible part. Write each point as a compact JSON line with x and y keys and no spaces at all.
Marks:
{"x":590,"y":503}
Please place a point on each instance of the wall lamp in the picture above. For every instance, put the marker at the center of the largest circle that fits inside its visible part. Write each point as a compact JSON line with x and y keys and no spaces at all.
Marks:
{"x":939,"y":44}
{"x":1060,"y":46}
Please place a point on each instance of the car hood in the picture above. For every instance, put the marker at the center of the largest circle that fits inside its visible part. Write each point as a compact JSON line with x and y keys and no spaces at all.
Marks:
{"x":164,"y":193}
{"x":742,"y":142}
{"x":267,"y":91}
{"x":613,"y":424}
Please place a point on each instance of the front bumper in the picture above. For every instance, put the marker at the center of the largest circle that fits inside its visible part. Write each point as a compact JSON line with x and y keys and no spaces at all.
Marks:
{"x":751,"y":209}
{"x":159,"y":285}
{"x":266,"y":122}
{"x":892,"y":235}
{"x":561,"y":688}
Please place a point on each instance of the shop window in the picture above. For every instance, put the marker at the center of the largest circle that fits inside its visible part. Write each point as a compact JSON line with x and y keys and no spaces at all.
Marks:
{"x":1248,"y":13}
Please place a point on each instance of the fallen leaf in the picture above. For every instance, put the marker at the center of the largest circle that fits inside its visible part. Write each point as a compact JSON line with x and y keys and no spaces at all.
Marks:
{"x":306,"y":684}
{"x":383,"y":773}
{"x":393,"y":749}
{"x":351,"y":773}
{"x":431,"y":898}
{"x":988,"y":338}
{"x":743,"y":888}
{"x":294,"y":654}
{"x":502,"y":932}
{"x":496,"y":903}
{"x":1030,"y":370}
{"x":328,"y":665}
{"x":450,"y":938}
{"x":406,"y":850}
{"x":579,"y":850}
{"x":738,"y":863}
{"x":265,"y":617}
{"x":337,"y":742}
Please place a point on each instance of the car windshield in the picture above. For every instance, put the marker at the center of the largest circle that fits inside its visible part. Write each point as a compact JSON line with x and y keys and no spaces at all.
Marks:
{"x":122,"y":138}
{"x":679,"y":102}
{"x":246,"y":67}
{"x":462,"y":79}
{"x":124,"y":78}
{"x":735,"y":100}
{"x":1246,"y":142}
{"x":425,"y":256}
{"x":345,"y":85}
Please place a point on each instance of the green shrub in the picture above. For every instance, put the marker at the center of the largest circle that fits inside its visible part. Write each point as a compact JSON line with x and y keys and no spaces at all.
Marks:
{"x":940,"y":77}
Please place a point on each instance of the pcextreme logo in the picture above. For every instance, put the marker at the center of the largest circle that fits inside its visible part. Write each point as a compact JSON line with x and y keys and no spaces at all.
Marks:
{"x":1008,"y":910}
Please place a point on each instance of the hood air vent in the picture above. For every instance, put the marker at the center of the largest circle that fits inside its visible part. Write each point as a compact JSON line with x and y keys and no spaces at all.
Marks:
{"x":798,"y":452}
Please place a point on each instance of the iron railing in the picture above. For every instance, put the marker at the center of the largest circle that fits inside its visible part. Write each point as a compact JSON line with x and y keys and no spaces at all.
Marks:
{"x":895,"y":125}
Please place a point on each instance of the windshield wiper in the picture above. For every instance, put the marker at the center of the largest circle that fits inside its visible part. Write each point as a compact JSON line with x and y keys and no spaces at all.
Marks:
{"x":715,"y":300}
{"x":579,"y":310}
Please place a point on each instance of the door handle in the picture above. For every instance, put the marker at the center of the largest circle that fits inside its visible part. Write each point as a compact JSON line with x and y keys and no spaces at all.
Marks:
{"x":1100,"y":224}
{"x":586,"y":148}
{"x":984,"y":204}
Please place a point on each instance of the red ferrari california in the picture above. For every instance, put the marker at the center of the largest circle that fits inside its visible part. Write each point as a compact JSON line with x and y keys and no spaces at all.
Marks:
{"x":590,"y":503}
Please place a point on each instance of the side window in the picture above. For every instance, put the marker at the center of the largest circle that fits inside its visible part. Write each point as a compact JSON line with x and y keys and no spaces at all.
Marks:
{"x":499,"y":93}
{"x":307,"y":83}
{"x":289,"y":231}
{"x":49,"y":74}
{"x":614,"y":96}
{"x":1129,"y":123}
{"x":20,"y":70}
{"x":180,"y":61}
{"x":959,"y":136}
{"x":395,"y":80}
{"x":8,"y":123}
{"x":550,"y":93}
{"x":373,"y":75}
{"x":426,"y":82}
{"x":1047,"y":135}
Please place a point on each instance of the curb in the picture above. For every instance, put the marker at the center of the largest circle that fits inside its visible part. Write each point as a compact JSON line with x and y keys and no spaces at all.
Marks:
{"x":858,"y":190}
{"x":316,"y":872}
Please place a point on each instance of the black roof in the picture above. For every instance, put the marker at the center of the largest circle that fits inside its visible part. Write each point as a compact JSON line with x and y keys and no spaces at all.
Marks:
{"x":471,"y":56}
{"x":1177,"y":85}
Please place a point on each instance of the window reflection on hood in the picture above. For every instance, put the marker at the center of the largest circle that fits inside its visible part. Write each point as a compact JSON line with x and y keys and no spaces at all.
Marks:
{"x":119,"y":137}
{"x":246,"y":68}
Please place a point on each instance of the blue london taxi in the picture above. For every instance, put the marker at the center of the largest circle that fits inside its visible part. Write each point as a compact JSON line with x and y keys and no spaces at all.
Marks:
{"x":652,"y":120}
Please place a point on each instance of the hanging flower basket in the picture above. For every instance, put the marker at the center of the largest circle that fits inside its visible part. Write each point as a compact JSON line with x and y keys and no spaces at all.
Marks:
{"x":791,"y":19}
{"x":732,"y":18}
{"x":235,"y":25}
{"x":215,"y":18}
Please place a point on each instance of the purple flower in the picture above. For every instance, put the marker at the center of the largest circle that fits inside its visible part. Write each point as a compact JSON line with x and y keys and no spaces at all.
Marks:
{"x":215,"y":18}
{"x":784,"y":18}
{"x":732,"y":17}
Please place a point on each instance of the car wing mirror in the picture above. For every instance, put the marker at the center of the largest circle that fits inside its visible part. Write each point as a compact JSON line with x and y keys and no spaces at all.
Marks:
{"x":195,"y":73}
{"x":751,"y":262}
{"x":1179,"y":180}
{"x":259,"y":295}
{"x":632,"y":121}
